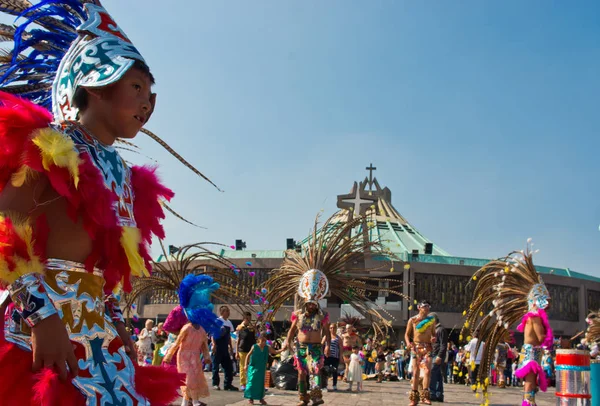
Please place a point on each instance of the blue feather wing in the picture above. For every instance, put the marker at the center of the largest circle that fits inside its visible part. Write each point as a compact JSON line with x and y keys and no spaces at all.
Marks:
{"x":36,"y":53}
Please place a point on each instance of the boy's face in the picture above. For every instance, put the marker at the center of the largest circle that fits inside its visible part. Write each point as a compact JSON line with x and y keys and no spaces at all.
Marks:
{"x":128,"y":103}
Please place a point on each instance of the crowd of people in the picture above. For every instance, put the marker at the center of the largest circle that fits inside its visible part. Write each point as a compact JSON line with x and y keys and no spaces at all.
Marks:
{"x":251,"y":353}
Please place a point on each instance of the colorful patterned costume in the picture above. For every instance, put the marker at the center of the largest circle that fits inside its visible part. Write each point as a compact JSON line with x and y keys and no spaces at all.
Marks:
{"x":309,"y":357}
{"x":513,"y":289}
{"x":40,"y":287}
{"x":120,"y":208}
{"x":325,"y":260}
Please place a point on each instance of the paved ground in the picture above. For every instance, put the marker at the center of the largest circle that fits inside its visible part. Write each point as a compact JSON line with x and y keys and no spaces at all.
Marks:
{"x":387,"y":393}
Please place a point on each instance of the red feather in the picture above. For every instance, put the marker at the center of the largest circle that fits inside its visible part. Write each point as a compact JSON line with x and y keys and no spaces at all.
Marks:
{"x":18,"y":120}
{"x":158,"y":384}
{"x":49,"y":390}
{"x":148,"y":191}
{"x":20,"y":386}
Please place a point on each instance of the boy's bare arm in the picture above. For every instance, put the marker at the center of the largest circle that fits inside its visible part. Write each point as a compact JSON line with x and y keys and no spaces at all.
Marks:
{"x":538,"y":329}
{"x":49,"y":338}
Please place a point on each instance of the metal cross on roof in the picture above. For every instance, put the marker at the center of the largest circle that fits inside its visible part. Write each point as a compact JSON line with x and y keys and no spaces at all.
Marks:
{"x":358,"y":200}
{"x":359,"y":204}
{"x":370,"y":168}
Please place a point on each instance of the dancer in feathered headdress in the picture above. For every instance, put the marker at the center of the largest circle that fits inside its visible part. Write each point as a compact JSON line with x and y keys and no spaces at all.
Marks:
{"x":508,"y":290}
{"x":326,"y":266}
{"x":75,"y":220}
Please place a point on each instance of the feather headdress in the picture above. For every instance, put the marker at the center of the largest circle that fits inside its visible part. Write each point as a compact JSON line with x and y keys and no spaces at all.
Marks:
{"x":50,"y":57}
{"x":334,"y":250}
{"x":507,"y":290}
{"x":592,"y":334}
{"x":196,"y":259}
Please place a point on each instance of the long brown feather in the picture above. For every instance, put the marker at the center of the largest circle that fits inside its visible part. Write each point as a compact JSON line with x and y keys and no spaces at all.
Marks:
{"x":195,"y":258}
{"x":336,"y":249}
{"x":179,"y":157}
{"x":14,"y":7}
{"x":173,"y":212}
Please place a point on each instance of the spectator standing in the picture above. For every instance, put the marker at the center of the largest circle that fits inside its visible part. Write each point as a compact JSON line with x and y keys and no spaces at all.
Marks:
{"x":399,"y":354}
{"x":222,"y":351}
{"x":438,"y":355}
{"x":475,"y":350}
{"x":369,"y":360}
{"x":246,"y":339}
{"x":451,"y":362}
{"x":332,"y":362}
{"x":501,"y":360}
{"x":145,"y":343}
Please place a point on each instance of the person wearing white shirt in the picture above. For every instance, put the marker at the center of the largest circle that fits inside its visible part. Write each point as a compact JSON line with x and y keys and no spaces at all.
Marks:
{"x":146,"y":338}
{"x":222,"y":351}
{"x":476,"y":350}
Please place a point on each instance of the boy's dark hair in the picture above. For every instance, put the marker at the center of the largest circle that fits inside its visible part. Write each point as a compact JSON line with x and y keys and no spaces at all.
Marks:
{"x":356,"y":347}
{"x":80,"y":98}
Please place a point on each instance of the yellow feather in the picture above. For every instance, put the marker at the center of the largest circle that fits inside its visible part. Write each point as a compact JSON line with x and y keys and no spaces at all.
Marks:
{"x":5,"y":274}
{"x":58,"y":150}
{"x":21,"y":177}
{"x":23,"y":266}
{"x":25,"y":232}
{"x":130,"y":241}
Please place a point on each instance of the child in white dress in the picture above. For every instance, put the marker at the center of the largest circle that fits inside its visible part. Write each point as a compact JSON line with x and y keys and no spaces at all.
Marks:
{"x":354,"y":373}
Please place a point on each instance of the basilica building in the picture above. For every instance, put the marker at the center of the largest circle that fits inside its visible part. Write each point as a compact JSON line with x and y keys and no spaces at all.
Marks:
{"x":422,"y":269}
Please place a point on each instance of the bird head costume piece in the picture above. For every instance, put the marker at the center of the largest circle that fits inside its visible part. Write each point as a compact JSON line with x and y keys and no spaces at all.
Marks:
{"x":327,"y":266}
{"x":60,"y":46}
{"x":508,"y":289}
{"x":195,"y":293}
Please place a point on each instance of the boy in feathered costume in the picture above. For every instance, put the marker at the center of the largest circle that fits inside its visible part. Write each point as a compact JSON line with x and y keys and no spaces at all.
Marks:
{"x":75,"y":221}
{"x":514,"y":290}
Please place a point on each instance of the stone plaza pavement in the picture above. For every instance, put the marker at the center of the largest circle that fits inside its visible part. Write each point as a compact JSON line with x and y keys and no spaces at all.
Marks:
{"x":374,"y":394}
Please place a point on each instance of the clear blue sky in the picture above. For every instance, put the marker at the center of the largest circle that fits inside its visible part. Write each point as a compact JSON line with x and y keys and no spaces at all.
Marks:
{"x":481,"y":117}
